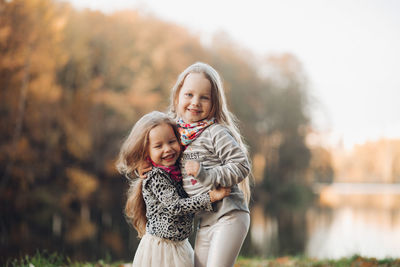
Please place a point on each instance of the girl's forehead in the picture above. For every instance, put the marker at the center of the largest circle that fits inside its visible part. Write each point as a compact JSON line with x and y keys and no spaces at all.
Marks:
{"x":162,"y":128}
{"x":196,"y":81}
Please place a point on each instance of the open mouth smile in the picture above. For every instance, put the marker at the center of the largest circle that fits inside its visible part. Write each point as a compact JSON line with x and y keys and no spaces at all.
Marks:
{"x":194,"y":111}
{"x":169,"y":157}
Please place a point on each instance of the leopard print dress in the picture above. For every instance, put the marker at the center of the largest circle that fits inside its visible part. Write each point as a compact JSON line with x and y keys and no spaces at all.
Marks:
{"x":169,"y":210}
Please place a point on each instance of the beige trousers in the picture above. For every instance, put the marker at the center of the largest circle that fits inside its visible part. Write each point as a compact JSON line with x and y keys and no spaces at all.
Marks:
{"x":218,"y":245}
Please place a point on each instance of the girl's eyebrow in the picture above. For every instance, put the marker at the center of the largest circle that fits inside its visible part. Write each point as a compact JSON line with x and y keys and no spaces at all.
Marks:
{"x":157,"y":143}
{"x":207,"y":95}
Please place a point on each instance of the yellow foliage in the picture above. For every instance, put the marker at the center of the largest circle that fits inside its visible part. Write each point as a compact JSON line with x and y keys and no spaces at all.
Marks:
{"x":258,"y":167}
{"x":24,"y":150}
{"x":79,"y":141}
{"x":144,"y":101}
{"x":110,"y":167}
{"x":44,"y":89}
{"x":114,"y":241}
{"x":4,"y":34}
{"x":116,"y":101}
{"x":371,"y":162}
{"x":82,"y":183}
{"x":80,"y":231}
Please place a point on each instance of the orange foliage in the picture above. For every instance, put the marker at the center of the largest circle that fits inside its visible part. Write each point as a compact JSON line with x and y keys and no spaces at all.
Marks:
{"x":73,"y":84}
{"x":114,"y":241}
{"x":374,"y":161}
{"x":80,"y":231}
{"x":82,"y":183}
{"x":258,"y":167}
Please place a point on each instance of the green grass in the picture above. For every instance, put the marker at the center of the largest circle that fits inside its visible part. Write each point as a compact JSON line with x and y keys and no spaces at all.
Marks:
{"x":54,"y":259}
{"x":355,"y":261}
{"x":46,"y":259}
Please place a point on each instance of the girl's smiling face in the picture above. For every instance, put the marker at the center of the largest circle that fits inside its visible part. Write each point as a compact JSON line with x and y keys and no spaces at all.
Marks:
{"x":164,"y":148}
{"x":194,"y":100}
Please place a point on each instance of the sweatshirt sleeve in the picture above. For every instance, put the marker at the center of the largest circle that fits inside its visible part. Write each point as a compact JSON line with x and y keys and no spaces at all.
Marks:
{"x":235,"y":166}
{"x":167,"y":194}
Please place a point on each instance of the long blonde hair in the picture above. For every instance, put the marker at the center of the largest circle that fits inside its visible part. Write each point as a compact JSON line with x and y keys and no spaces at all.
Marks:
{"x":134,"y":151}
{"x":219,"y":108}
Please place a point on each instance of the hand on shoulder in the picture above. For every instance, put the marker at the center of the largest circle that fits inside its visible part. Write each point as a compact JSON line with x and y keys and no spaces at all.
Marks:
{"x":143,"y":169}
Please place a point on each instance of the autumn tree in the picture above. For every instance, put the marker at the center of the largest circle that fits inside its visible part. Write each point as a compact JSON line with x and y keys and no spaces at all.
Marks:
{"x":282,"y":121}
{"x":31,"y":32}
{"x":73,"y":83}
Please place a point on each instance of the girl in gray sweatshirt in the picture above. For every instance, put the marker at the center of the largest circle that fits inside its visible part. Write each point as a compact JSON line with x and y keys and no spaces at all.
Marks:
{"x":214,"y":156}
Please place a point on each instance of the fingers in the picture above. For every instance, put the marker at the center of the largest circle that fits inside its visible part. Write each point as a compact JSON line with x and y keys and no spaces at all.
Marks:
{"x":227,"y":191}
{"x":142,"y":173}
{"x":223,"y":192}
{"x":192,"y":167}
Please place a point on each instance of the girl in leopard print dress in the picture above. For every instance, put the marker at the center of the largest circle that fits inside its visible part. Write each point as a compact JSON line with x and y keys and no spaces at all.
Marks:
{"x":158,"y":207}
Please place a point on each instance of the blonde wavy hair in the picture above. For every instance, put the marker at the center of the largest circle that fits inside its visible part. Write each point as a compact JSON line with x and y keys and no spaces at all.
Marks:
{"x":219,"y":109}
{"x":133,"y":152}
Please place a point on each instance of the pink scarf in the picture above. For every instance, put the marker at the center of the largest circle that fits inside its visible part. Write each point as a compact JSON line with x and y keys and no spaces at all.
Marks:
{"x":190,"y":131}
{"x":173,"y":171}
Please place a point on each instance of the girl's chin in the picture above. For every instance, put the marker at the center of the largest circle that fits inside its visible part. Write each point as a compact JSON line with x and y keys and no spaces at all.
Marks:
{"x":169,"y":163}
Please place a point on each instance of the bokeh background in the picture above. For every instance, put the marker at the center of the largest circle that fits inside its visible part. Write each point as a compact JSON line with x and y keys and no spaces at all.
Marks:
{"x":315,"y":85}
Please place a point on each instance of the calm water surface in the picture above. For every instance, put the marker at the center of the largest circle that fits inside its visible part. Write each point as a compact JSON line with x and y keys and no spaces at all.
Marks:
{"x":363,"y":223}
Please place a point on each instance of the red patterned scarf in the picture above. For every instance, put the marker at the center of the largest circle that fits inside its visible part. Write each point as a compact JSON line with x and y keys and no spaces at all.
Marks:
{"x":190,"y":131}
{"x":173,"y":171}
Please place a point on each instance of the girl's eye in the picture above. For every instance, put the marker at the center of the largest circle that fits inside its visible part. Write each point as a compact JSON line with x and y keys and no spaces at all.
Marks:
{"x":205,"y":97}
{"x":157,"y":146}
{"x":188,"y":95}
{"x":172,"y":141}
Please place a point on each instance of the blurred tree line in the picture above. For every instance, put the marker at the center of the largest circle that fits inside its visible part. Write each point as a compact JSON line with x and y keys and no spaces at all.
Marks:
{"x":372,"y":162}
{"x":72,"y":85}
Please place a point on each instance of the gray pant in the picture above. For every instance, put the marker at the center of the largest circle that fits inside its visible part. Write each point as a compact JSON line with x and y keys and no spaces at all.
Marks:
{"x":218,"y":245}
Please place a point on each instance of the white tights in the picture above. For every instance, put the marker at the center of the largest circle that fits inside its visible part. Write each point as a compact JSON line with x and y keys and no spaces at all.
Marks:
{"x":218,"y":245}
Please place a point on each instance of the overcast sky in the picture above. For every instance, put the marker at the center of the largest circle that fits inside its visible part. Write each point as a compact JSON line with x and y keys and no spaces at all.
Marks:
{"x":350,"y":50}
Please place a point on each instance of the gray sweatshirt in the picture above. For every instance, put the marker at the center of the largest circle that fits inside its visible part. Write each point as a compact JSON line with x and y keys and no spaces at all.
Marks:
{"x":224,"y":163}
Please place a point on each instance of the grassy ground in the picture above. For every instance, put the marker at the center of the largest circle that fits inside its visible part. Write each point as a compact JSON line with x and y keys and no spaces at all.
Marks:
{"x":354,"y":261}
{"x":50,"y":260}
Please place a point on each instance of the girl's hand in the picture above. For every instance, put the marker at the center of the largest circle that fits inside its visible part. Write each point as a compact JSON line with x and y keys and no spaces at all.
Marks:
{"x":144,"y":167}
{"x":192,"y":168}
{"x":219,"y":193}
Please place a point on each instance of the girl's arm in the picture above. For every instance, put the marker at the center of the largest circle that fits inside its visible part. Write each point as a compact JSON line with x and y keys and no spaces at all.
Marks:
{"x":235,"y":165}
{"x":168,"y":195}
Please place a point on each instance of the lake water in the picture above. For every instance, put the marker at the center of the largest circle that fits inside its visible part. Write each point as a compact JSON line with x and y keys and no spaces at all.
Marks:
{"x":348,"y":219}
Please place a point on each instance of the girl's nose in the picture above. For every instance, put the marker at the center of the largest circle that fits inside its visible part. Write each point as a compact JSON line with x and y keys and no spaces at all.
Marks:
{"x":195,"y":101}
